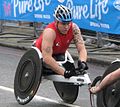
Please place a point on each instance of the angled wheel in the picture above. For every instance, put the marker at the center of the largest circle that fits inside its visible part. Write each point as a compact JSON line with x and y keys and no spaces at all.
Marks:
{"x":28,"y":76}
{"x":110,"y":96}
{"x":67,"y":91}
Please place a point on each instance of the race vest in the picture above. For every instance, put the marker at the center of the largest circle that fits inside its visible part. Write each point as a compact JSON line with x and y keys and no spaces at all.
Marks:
{"x":61,"y":42}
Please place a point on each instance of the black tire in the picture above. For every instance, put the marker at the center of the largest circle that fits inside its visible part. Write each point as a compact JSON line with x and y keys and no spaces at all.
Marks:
{"x":28,"y":77}
{"x":110,"y":96}
{"x":67,"y":91}
{"x":96,"y":80}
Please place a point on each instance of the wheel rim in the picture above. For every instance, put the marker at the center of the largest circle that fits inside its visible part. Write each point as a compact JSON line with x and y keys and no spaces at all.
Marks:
{"x":26,"y":76}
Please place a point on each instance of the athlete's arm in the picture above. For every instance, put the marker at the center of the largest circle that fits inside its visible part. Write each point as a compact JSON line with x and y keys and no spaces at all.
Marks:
{"x":79,"y":42}
{"x":47,"y":44}
{"x":109,"y":79}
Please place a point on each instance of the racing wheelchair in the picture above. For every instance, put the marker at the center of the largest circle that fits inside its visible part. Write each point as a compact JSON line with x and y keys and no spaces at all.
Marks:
{"x":31,"y":70}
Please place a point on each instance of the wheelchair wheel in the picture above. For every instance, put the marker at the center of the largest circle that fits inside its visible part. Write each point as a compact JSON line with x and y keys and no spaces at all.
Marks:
{"x":110,"y":96}
{"x":28,"y":76}
{"x":67,"y":91}
{"x":96,"y":80}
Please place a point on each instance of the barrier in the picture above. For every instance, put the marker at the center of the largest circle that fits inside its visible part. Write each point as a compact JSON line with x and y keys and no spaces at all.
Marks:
{"x":93,"y":15}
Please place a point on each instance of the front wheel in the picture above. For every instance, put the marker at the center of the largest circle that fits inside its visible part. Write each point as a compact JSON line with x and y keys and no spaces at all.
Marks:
{"x":28,"y":76}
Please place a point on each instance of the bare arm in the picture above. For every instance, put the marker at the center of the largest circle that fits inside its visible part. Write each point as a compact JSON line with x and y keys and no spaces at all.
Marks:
{"x":78,"y":40}
{"x":47,"y":44}
{"x":109,"y":79}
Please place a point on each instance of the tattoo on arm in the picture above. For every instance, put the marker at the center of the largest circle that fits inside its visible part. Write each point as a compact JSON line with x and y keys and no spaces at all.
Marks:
{"x":77,"y":35}
{"x":76,"y":32}
{"x":48,"y":49}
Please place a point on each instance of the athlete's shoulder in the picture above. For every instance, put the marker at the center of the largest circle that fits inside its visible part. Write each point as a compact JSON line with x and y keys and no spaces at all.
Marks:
{"x":51,"y":25}
{"x":74,"y":26}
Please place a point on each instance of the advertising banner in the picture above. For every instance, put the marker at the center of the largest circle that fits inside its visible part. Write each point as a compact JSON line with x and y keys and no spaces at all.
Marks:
{"x":0,"y":10}
{"x":97,"y":15}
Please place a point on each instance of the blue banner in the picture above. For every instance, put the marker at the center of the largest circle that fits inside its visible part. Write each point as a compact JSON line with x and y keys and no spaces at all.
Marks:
{"x":0,"y":11}
{"x":97,"y":15}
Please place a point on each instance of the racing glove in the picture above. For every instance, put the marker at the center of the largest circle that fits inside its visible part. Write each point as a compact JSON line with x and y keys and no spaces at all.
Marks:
{"x":70,"y":73}
{"x":82,"y":65}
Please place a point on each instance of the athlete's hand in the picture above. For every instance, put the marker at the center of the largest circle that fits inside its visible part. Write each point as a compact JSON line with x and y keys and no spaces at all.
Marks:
{"x":70,"y":73}
{"x":94,"y":89}
{"x":82,"y":65}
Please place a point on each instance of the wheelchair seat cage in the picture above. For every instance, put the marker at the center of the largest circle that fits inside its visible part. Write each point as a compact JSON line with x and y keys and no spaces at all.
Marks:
{"x":77,"y":80}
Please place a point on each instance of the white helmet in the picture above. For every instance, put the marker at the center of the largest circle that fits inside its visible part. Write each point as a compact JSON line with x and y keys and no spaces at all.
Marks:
{"x":63,"y":14}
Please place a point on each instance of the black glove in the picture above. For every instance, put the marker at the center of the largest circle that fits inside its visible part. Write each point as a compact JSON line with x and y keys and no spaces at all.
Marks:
{"x":70,"y":73}
{"x":82,"y":65}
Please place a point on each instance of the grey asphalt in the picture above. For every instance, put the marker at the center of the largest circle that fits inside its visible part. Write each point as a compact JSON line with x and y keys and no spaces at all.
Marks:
{"x":104,"y":55}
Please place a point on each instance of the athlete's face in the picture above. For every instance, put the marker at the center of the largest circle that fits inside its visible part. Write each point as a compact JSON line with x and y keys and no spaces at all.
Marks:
{"x":63,"y":27}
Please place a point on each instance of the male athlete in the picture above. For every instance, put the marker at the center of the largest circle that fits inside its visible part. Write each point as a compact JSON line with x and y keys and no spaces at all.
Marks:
{"x":56,"y":39}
